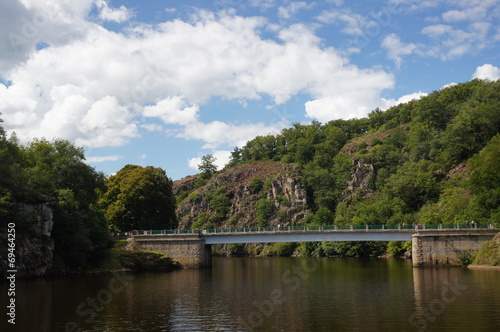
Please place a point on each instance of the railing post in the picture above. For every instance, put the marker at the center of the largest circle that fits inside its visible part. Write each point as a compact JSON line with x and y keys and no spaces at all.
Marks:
{"x":352,"y":228}
{"x":383,"y":227}
{"x":367,"y":227}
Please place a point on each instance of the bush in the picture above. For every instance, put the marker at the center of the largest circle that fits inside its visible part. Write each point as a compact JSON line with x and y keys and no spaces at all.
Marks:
{"x":398,"y":248}
{"x":465,"y":257}
{"x":263,"y":211}
{"x":256,"y":184}
{"x":236,"y":249}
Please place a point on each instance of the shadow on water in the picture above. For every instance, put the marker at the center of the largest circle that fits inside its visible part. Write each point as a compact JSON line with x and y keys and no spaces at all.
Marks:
{"x":267,"y":294}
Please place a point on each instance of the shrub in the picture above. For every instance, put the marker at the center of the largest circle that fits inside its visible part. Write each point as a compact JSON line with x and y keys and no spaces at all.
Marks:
{"x":263,"y":211}
{"x":465,"y":257}
{"x":256,"y":184}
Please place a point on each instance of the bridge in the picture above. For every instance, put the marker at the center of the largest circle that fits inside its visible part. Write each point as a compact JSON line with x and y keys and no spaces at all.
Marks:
{"x":431,"y":244}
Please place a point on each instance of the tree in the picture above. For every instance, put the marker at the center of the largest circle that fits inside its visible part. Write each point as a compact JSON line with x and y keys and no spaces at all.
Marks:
{"x":58,"y":169}
{"x":207,"y":166}
{"x":139,"y":198}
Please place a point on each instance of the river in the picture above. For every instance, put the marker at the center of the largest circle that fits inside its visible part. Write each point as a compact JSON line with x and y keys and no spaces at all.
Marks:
{"x":266,"y":294}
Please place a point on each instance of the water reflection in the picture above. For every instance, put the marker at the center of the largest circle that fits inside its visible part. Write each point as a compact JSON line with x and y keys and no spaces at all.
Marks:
{"x":269,"y":294}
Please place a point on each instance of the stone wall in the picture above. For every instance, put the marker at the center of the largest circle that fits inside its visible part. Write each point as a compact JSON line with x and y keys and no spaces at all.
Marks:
{"x":190,"y":251}
{"x":444,"y":248}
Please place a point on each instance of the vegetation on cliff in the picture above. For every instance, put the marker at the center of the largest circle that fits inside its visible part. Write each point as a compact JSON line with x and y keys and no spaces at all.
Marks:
{"x":429,"y":161}
{"x":489,"y":253}
{"x":258,"y":194}
{"x":432,"y":160}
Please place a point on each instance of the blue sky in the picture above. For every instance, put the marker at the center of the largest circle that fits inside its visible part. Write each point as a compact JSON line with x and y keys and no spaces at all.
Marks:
{"x":162,"y":83}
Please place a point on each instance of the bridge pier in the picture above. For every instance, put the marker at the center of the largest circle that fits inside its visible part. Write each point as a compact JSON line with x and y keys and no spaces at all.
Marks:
{"x":443,"y":248}
{"x":189,"y":250}
{"x":430,"y":247}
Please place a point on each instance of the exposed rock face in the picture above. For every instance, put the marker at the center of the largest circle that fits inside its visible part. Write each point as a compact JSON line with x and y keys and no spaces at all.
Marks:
{"x":359,"y":183}
{"x":33,"y":245}
{"x":280,"y":185}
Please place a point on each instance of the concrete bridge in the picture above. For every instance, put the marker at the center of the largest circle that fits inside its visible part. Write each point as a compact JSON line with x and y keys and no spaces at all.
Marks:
{"x":431,"y":244}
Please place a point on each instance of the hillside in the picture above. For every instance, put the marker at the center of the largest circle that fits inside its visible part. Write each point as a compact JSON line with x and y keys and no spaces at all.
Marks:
{"x":432,"y":160}
{"x":262,"y":193}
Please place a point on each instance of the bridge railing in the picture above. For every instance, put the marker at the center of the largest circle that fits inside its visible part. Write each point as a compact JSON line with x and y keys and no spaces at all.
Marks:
{"x":402,"y":227}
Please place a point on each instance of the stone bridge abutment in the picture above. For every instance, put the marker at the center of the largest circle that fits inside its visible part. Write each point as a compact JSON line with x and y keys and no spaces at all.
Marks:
{"x":429,"y":247}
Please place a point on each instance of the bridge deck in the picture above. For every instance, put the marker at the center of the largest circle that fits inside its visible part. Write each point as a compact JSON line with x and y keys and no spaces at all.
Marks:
{"x":306,"y":234}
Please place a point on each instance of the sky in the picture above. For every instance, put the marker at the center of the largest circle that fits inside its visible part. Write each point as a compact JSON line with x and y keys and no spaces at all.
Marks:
{"x":163,"y":82}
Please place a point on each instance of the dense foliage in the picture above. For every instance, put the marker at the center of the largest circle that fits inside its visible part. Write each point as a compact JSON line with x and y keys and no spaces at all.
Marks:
{"x":433,"y":160}
{"x":55,"y":171}
{"x":139,"y":198}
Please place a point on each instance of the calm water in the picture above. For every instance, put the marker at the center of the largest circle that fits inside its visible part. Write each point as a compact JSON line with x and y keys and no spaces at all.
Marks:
{"x":267,"y":294}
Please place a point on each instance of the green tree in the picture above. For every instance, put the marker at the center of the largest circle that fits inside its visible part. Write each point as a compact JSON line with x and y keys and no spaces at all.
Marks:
{"x":207,"y":166}
{"x":139,"y":198}
{"x":58,"y":169}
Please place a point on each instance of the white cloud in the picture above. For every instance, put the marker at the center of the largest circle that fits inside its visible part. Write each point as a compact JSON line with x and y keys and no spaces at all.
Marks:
{"x":173,"y":110}
{"x":217,"y":133}
{"x":107,"y":123}
{"x":26,"y":23}
{"x":106,"y":13}
{"x":348,"y":107}
{"x":152,"y":127}
{"x":102,"y":159}
{"x":93,"y":89}
{"x":404,"y":99}
{"x":448,"y":85}
{"x":396,"y":49}
{"x":487,"y":71}
{"x":222,"y":157}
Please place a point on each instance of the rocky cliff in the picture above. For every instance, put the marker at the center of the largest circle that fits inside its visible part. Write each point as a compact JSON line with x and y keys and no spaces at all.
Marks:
{"x":258,"y":194}
{"x":33,"y":245}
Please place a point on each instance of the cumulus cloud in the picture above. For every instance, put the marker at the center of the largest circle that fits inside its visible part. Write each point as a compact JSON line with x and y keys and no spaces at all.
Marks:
{"x":106,"y":123}
{"x":28,"y":23}
{"x":99,"y":87}
{"x":487,"y":71}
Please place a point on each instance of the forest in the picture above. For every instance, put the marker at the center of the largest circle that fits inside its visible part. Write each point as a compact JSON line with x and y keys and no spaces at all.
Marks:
{"x":429,"y":161}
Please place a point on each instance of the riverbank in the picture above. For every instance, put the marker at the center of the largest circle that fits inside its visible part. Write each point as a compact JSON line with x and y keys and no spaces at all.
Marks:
{"x":484,"y":267}
{"x":122,"y":258}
